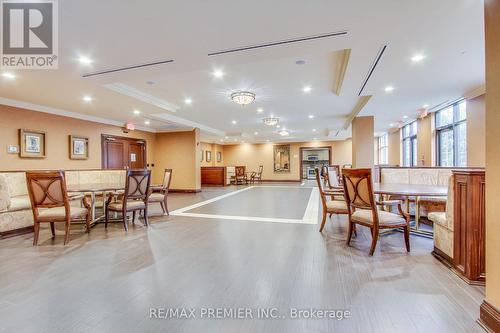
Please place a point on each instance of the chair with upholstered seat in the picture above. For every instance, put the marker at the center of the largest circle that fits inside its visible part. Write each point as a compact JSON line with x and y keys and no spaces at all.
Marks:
{"x":50,"y":202}
{"x":258,"y":175}
{"x":362,"y":207}
{"x":333,"y":177}
{"x":336,"y":205}
{"x":160,"y":195}
{"x":135,"y":197}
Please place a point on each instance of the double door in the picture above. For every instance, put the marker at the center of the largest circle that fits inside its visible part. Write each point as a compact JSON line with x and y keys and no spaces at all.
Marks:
{"x":123,"y":153}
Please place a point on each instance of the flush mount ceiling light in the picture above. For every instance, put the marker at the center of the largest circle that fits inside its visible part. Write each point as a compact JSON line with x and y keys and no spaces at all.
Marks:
{"x":283,"y":132}
{"x":87,"y":99}
{"x":389,"y":89}
{"x":260,"y":110}
{"x":243,"y":97}
{"x":218,"y":73}
{"x":137,"y":112}
{"x":85,"y":60}
{"x":271,"y":121}
{"x":307,"y":89}
{"x":147,"y":122}
{"x":311,"y":116}
{"x":188,"y":101}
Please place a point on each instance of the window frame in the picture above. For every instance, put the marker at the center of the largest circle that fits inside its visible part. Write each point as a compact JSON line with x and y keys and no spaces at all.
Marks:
{"x":383,"y":147}
{"x":411,"y":137}
{"x":453,"y":127}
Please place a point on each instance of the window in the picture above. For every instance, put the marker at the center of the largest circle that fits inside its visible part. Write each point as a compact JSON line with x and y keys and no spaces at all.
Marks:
{"x":410,"y":144}
{"x":383,"y":150}
{"x":451,"y":135}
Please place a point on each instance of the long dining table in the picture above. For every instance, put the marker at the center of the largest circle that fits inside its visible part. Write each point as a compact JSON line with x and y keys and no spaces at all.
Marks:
{"x":412,"y":191}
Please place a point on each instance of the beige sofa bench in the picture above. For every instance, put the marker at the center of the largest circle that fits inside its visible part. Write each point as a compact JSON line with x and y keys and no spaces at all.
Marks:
{"x":443,"y":226}
{"x":15,"y":206}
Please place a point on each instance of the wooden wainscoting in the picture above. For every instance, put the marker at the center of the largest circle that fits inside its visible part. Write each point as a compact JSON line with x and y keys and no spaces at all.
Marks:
{"x":469,"y":226}
{"x":213,"y":176}
{"x":489,"y":317}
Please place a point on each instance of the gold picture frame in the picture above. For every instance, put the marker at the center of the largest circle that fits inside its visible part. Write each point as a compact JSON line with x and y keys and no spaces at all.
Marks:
{"x":78,"y":147}
{"x":219,"y":156}
{"x":208,"y":156}
{"x":281,"y":158}
{"x":32,"y":143}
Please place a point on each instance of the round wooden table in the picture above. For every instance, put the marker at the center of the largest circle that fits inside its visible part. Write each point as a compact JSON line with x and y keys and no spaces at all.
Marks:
{"x":412,"y":190}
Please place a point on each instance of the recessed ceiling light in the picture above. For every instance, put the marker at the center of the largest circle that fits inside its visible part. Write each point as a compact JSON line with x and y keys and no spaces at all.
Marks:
{"x":260,"y":110}
{"x":267,"y":140}
{"x":314,"y":130}
{"x":404,"y":117}
{"x":425,"y":106}
{"x":233,"y":122}
{"x":9,"y":75}
{"x":278,"y":126}
{"x":418,"y":58}
{"x":283,"y":132}
{"x":307,"y":89}
{"x":391,"y":124}
{"x":255,"y":133}
{"x":218,"y":73}
{"x":85,"y":60}
{"x":188,"y":101}
{"x":226,"y":137}
{"x":87,"y":99}
{"x":311,"y":116}
{"x":137,"y":112}
{"x":146,"y":122}
{"x":389,"y":89}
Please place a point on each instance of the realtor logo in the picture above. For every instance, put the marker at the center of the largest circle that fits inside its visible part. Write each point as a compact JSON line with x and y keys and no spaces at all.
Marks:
{"x":29,"y":34}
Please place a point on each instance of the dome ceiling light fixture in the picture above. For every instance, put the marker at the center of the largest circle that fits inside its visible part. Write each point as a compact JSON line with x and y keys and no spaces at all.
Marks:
{"x":243,"y":97}
{"x":271,"y":121}
{"x":283,"y":132}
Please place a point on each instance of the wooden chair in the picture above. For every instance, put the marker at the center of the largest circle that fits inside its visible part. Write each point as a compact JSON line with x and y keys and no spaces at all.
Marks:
{"x":133,"y":199}
{"x":240,"y":176}
{"x":362,"y":207}
{"x":333,"y":177}
{"x":337,"y":205}
{"x":50,"y":202}
{"x":258,"y":176}
{"x":160,"y":195}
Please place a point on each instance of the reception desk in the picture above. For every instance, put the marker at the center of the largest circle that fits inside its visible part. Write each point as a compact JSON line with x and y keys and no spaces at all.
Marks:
{"x":213,"y":176}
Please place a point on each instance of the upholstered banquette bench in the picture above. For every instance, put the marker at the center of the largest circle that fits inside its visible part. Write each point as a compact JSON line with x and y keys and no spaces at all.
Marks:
{"x":15,"y":207}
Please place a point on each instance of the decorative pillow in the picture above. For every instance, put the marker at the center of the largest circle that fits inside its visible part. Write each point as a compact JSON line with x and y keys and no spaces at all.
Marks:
{"x":4,"y":194}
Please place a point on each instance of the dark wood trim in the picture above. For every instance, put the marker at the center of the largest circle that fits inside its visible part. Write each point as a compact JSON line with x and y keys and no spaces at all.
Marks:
{"x":301,"y":150}
{"x":104,"y":161}
{"x":184,"y":190}
{"x":16,"y":232}
{"x":213,"y":176}
{"x":443,"y":257}
{"x":489,"y":317}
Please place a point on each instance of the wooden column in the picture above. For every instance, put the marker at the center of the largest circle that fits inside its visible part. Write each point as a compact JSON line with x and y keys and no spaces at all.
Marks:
{"x":469,"y":225}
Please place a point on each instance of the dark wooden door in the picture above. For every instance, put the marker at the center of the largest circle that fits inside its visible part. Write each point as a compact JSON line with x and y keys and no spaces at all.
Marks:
{"x":137,"y":155}
{"x":122,"y":153}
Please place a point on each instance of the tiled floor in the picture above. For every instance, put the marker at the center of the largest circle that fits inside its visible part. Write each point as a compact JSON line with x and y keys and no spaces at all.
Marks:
{"x":108,"y":281}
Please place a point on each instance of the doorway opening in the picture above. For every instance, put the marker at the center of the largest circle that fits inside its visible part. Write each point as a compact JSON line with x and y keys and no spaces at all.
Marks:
{"x":312,"y":158}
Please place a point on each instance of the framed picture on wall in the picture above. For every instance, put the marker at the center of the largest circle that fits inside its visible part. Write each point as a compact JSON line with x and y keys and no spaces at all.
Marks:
{"x":78,"y":147}
{"x":209,"y":156}
{"x":281,"y":158}
{"x":219,"y":156}
{"x":32,"y":143}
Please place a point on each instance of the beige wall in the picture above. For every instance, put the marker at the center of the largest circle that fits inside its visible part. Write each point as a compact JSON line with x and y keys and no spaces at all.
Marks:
{"x":57,"y":130}
{"x":214,"y":148}
{"x":180,"y":152}
{"x":394,"y":142}
{"x":476,"y":128}
{"x":492,"y":24}
{"x":362,"y":142}
{"x":424,"y":141}
{"x":253,"y":155}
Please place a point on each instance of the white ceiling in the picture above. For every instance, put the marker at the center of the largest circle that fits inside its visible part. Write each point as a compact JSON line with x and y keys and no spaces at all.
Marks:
{"x":117,"y":33}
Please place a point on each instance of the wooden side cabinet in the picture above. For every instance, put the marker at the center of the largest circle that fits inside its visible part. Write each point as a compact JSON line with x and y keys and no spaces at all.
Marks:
{"x":469,"y":225}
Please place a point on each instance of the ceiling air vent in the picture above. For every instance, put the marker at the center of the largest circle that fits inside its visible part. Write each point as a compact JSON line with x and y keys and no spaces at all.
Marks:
{"x":372,"y":69}
{"x":277,"y":43}
{"x":120,"y":69}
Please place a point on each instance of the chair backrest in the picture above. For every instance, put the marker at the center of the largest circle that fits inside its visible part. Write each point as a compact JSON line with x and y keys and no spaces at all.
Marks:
{"x":358,"y":189}
{"x":240,"y":171}
{"x":167,"y":178}
{"x":47,"y":189}
{"x":333,"y":176}
{"x":347,"y":166}
{"x":320,"y":186}
{"x":261,"y":169}
{"x":137,"y":184}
